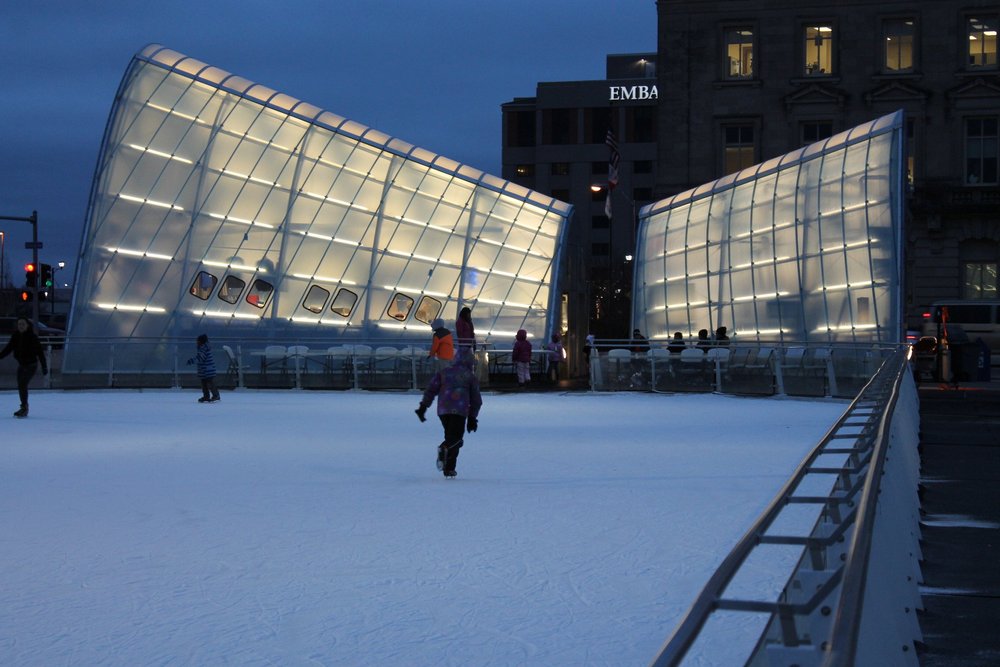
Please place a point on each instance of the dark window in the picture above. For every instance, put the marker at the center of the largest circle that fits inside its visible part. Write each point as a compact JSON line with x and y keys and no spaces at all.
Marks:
{"x":562,"y":194}
{"x":911,"y":137}
{"x":559,"y":169}
{"x":642,"y":194}
{"x":520,"y":128}
{"x":816,"y":130}
{"x":982,"y":35}
{"x":818,"y":50}
{"x":599,"y":167}
{"x":559,"y":126}
{"x":260,"y":293}
{"x":642,"y":167}
{"x":399,"y":306}
{"x":966,"y":314}
{"x":231,"y":289}
{"x":315,"y":299}
{"x":596,"y":122}
{"x":427,"y":310}
{"x":897,"y":40}
{"x":344,"y":302}
{"x":981,"y":151}
{"x":203,"y":285}
{"x":739,"y":53}
{"x":599,"y":222}
{"x":640,"y":124}
{"x":739,"y":148}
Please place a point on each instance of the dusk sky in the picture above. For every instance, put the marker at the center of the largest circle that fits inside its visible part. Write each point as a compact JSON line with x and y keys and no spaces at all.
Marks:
{"x":432,"y":73}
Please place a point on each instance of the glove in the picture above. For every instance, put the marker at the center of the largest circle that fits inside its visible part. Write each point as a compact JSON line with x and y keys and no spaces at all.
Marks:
{"x":421,"y":411}
{"x":473,"y":424}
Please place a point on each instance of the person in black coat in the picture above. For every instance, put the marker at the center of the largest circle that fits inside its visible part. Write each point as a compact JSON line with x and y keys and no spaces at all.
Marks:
{"x":27,"y":350}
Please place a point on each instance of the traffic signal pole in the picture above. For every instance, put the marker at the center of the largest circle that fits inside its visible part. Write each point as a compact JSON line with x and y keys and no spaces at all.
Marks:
{"x":34,"y":245}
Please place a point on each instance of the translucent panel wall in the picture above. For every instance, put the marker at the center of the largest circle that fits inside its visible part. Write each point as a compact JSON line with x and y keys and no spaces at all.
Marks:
{"x":223,"y":207}
{"x":802,"y":248}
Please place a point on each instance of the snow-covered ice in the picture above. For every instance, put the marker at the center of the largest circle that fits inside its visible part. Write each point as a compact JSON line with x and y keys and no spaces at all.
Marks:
{"x":312,"y":528}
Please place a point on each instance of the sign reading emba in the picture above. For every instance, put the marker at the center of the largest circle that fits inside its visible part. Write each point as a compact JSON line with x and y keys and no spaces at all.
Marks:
{"x":633,"y":93}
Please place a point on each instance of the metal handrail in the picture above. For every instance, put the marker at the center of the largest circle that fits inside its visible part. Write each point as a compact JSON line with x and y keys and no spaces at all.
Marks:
{"x":710,"y":598}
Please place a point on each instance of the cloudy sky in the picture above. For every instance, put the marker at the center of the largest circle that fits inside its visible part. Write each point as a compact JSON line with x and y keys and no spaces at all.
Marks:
{"x":433,"y":73}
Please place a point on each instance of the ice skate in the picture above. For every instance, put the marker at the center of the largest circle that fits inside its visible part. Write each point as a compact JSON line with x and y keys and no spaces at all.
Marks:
{"x":442,"y":453}
{"x":450,"y":474}
{"x":22,"y":413}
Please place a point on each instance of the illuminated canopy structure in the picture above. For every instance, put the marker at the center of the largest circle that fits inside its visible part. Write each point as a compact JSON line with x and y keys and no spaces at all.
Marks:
{"x":802,"y":248}
{"x":220,"y":206}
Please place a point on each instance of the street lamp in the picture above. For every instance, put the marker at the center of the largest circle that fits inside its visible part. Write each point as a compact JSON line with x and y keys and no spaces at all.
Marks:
{"x":55,"y":286}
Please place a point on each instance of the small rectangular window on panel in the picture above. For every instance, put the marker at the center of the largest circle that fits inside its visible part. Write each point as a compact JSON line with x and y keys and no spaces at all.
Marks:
{"x":427,"y":310}
{"x":260,"y":293}
{"x":203,"y":285}
{"x":344,"y":302}
{"x":399,"y":306}
{"x":231,"y":289}
{"x":315,"y":299}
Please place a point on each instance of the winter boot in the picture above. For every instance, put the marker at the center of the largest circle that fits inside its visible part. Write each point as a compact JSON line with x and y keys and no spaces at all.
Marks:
{"x":23,"y":412}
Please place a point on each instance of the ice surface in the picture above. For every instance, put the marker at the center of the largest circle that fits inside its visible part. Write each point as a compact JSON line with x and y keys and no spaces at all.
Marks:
{"x":312,"y":528}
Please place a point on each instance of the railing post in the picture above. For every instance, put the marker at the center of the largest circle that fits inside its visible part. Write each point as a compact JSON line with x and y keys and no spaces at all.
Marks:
{"x":111,"y":367}
{"x":177,"y":377}
{"x":777,"y":360}
{"x":239,"y":365}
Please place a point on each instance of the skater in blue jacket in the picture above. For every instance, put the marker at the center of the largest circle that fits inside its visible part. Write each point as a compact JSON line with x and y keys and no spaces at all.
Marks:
{"x":459,"y":401}
{"x":206,"y":370}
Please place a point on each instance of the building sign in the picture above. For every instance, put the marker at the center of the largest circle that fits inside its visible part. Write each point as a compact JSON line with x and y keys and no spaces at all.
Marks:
{"x":639,"y":93}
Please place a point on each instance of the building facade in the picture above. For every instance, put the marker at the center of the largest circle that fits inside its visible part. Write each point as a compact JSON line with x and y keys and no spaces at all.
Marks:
{"x":223,"y":207}
{"x":743,"y":81}
{"x":557,"y":143}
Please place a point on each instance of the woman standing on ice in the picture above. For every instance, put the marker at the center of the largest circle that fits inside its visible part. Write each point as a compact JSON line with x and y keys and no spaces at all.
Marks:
{"x":465,"y":333}
{"x":28,"y":351}
{"x":459,"y":400}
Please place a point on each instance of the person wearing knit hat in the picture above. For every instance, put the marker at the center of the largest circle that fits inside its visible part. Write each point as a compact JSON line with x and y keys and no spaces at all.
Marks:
{"x":442,"y":344}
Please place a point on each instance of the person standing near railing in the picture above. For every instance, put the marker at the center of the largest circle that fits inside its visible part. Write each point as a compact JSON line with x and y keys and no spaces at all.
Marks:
{"x":521,"y":356}
{"x":206,"y":370}
{"x":465,"y":332}
{"x":29,"y":354}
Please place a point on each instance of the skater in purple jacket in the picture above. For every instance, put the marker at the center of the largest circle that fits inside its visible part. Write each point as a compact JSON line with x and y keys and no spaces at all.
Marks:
{"x":521,"y":356}
{"x":459,"y":401}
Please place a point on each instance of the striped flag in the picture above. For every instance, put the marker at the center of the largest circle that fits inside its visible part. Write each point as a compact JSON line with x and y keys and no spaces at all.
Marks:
{"x":613,"y":159}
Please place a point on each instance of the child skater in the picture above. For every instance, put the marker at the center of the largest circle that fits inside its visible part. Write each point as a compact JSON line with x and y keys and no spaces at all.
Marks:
{"x":521,"y":356}
{"x":459,"y":400}
{"x":206,"y":371}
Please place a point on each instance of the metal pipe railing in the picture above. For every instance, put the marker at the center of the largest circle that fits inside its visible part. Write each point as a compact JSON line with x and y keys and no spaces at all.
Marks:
{"x":859,"y":476}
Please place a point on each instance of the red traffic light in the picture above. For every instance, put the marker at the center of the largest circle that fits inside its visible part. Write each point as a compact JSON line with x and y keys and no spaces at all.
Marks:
{"x":25,"y":296}
{"x":29,"y":268}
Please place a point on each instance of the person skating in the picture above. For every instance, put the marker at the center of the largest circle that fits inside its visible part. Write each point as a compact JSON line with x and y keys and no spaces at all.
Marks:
{"x":206,"y":370}
{"x":459,"y":401}
{"x":442,"y":345}
{"x":28,"y":352}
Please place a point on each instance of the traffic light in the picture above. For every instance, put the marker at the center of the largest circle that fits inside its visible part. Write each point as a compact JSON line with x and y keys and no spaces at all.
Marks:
{"x":46,"y":284}
{"x":30,"y":275}
{"x":25,"y":295}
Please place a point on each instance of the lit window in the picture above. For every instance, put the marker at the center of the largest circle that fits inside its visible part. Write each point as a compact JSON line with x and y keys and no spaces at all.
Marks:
{"x":399,"y":307}
{"x":315,"y":299}
{"x":525,"y":170}
{"x":816,"y":130}
{"x":739,"y":148}
{"x":427,"y":310}
{"x":203,"y":285}
{"x":898,"y":44}
{"x":344,"y":302}
{"x":981,"y":151}
{"x":983,"y":42}
{"x":980,"y":281}
{"x":231,"y":289}
{"x":739,"y":53}
{"x":818,"y":50}
{"x":260,"y":293}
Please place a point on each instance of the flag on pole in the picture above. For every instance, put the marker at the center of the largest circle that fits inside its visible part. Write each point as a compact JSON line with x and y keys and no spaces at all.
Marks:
{"x":607,"y":204}
{"x":613,"y":159}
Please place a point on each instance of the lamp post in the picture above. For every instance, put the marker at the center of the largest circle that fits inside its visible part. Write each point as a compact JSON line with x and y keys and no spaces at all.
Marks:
{"x":55,"y":286}
{"x":3,"y":260}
